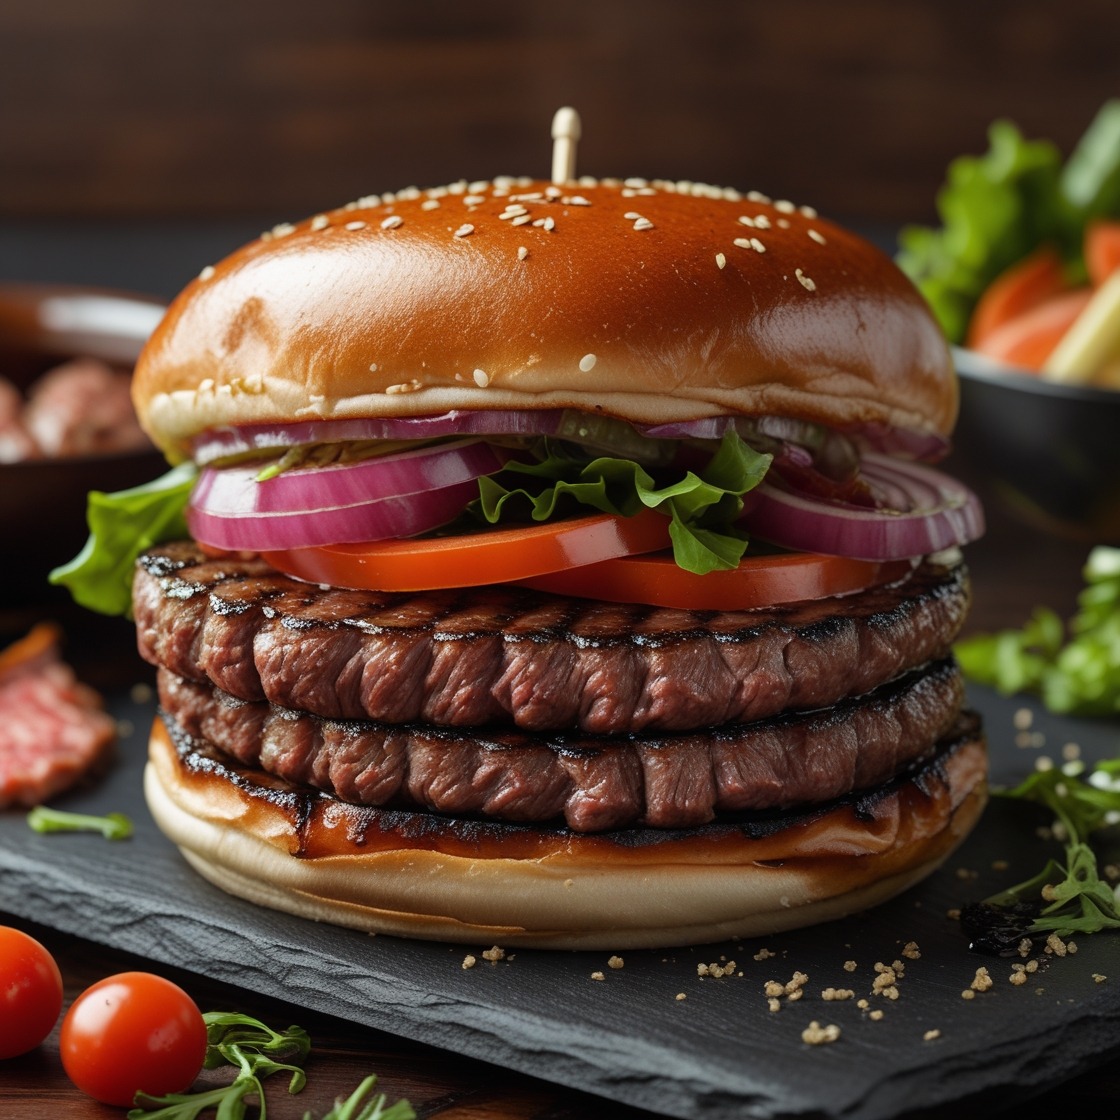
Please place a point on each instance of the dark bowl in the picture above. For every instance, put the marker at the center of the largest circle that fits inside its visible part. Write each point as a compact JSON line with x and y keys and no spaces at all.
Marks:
{"x":1049,"y":453}
{"x":43,"y":501}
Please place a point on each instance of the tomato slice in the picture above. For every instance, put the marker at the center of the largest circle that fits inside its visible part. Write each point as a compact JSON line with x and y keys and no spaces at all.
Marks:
{"x":1035,"y":279}
{"x":758,"y":581}
{"x":470,"y":560}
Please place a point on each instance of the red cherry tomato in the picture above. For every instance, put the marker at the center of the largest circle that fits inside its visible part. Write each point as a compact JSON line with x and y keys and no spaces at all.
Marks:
{"x":30,"y":992}
{"x":132,"y":1033}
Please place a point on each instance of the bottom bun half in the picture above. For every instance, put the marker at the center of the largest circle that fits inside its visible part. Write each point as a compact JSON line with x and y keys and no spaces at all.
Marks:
{"x":414,"y":874}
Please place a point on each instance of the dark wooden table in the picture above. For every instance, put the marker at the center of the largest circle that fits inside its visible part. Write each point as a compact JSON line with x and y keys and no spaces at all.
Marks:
{"x":1014,"y":568}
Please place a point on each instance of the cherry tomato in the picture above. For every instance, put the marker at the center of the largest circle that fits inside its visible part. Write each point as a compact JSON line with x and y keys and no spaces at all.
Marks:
{"x":30,"y":992}
{"x":473,"y":559}
{"x":131,"y":1033}
{"x":758,"y":581}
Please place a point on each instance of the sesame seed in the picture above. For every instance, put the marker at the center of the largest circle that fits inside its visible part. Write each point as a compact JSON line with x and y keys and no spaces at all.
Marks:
{"x":741,"y":243}
{"x":783,"y":223}
{"x":206,"y":273}
{"x":283,"y":229}
{"x":808,"y":284}
{"x":320,"y":221}
{"x":464,"y":230}
{"x":521,"y":219}
{"x":512,"y":210}
{"x":631,"y":215}
{"x":430,"y":204}
{"x":373,"y":367}
{"x":481,"y":378}
{"x":478,"y":185}
{"x":587,"y":362}
{"x":392,"y":221}
{"x":757,"y":196}
{"x":473,"y":199}
{"x":784,"y":206}
{"x":576,"y":200}
{"x":746,"y":221}
{"x":355,"y":225}
{"x":818,"y":237}
{"x":403,"y":387}
{"x":634,"y":182}
{"x":757,"y":245}
{"x":807,"y":211}
{"x":643,"y":223}
{"x":522,"y":252}
{"x":721,"y":260}
{"x":762,"y":221}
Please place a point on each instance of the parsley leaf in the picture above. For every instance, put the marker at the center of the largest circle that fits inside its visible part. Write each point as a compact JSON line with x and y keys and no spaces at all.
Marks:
{"x":1074,"y":668}
{"x":1072,"y":896}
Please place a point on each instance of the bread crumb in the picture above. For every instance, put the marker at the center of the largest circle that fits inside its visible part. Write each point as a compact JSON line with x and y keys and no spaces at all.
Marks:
{"x":469,"y":961}
{"x":615,"y":962}
{"x":1018,"y":978}
{"x":929,"y":1036}
{"x":1025,"y":947}
{"x":494,"y":954}
{"x":798,"y":981}
{"x":968,"y":993}
{"x":849,"y":966}
{"x":1099,"y":978}
{"x":982,"y":981}
{"x":716,"y":970}
{"x":1055,"y":945}
{"x":795,"y":995}
{"x":910,"y":951}
{"x":877,"y":1014}
{"x":774,"y":988}
{"x":597,"y":976}
{"x":815,"y":1035}
{"x":862,"y":1004}
{"x":764,"y":954}
{"x":837,"y":993}
{"x":774,"y":1004}
{"x":681,"y":995}
{"x":954,"y":915}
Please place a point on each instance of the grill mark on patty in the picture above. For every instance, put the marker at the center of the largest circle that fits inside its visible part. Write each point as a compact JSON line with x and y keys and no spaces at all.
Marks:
{"x":468,"y":658}
{"x":592,"y":783}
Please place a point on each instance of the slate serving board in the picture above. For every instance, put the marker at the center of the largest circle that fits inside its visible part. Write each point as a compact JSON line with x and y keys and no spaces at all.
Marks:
{"x":719,"y":1052}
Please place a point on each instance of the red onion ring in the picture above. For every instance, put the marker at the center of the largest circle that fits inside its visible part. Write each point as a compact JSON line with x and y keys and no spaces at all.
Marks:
{"x":403,"y":515}
{"x":927,"y":511}
{"x":235,"y":491}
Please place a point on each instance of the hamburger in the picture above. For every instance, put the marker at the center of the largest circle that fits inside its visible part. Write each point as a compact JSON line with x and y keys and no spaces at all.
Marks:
{"x":556,"y":564}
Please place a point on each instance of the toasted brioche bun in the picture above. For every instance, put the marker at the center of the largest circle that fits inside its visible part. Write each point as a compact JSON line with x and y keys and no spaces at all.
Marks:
{"x":412,"y":874}
{"x":650,"y":303}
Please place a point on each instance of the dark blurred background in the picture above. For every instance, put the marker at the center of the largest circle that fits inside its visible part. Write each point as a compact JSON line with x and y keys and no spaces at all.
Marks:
{"x":189,"y":127}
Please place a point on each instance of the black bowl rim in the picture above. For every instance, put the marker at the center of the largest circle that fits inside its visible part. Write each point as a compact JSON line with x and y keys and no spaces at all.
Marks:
{"x":972,"y":366}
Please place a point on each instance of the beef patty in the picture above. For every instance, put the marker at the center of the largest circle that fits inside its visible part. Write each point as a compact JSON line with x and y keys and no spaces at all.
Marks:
{"x":506,"y":655}
{"x":591,"y":783}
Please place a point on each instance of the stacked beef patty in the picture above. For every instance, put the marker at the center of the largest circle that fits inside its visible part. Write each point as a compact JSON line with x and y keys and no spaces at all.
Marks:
{"x":513,"y":705}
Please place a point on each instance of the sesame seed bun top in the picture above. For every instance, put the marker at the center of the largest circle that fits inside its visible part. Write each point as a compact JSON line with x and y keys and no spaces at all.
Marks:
{"x":651,"y":302}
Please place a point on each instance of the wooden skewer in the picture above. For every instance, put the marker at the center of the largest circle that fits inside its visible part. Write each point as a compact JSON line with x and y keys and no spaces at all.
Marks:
{"x":565,"y":135}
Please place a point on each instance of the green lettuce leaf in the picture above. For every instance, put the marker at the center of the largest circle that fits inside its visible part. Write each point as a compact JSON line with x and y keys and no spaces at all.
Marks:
{"x":121,"y":527}
{"x":997,"y":208}
{"x":702,"y":507}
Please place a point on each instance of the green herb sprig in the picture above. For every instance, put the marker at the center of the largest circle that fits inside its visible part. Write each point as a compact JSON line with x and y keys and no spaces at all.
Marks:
{"x":1071,"y":895}
{"x":113,"y":826}
{"x":257,"y":1052}
{"x":361,"y":1105}
{"x":1075,"y":668}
